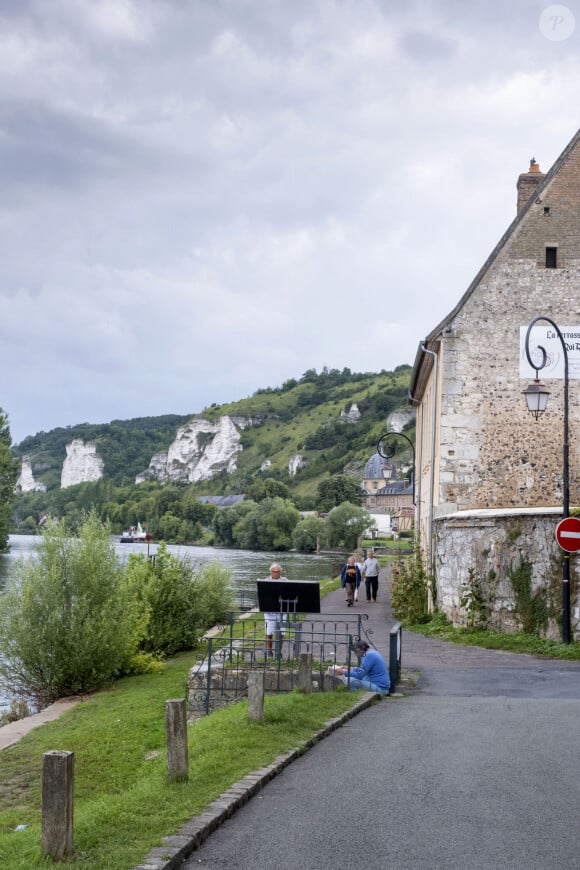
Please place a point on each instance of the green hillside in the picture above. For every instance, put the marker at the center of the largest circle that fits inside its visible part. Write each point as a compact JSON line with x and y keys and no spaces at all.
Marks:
{"x":126,"y":446}
{"x":303,"y":416}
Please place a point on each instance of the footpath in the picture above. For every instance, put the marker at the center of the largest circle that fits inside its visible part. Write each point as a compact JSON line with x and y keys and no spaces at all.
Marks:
{"x":475,"y":767}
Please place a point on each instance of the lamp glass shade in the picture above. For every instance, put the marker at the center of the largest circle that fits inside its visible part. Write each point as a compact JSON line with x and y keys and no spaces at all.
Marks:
{"x":537,"y":398}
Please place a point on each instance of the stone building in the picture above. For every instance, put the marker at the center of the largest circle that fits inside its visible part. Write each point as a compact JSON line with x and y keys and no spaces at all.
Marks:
{"x":381,"y":487}
{"x":489,"y":478}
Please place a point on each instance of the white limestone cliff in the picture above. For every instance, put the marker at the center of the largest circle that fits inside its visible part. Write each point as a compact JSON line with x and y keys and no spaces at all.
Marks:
{"x":353,"y":414}
{"x":397,"y":421}
{"x":82,"y":464}
{"x":26,"y":481}
{"x":296,"y":463}
{"x":202,"y":448}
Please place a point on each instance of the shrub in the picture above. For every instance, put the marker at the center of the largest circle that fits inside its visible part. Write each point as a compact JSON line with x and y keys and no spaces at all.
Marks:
{"x":213,"y":595}
{"x":68,"y":623}
{"x":409,"y":588}
{"x":164,"y":589}
{"x":174,"y":604}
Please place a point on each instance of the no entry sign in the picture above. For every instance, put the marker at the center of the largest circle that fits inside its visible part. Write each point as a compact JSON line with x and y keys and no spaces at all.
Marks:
{"x":568,"y":534}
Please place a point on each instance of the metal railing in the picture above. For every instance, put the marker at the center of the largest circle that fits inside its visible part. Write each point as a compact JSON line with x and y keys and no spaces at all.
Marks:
{"x":221,"y":675}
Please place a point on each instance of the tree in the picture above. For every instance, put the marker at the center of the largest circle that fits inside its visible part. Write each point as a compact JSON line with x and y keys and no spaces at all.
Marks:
{"x":268,"y":526}
{"x":307,"y":533}
{"x":9,"y":467}
{"x":226,"y":519}
{"x":268,"y":488}
{"x":337,"y":489}
{"x":345,"y":524}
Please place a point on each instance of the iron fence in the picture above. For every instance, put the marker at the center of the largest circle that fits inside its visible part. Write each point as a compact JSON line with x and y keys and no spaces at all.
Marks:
{"x":239,"y":646}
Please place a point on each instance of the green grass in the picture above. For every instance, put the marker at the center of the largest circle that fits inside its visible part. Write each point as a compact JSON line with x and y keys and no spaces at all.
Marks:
{"x":123,"y":803}
{"x":520,"y":642}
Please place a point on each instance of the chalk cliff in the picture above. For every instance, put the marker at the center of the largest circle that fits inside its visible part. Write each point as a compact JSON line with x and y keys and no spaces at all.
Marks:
{"x":26,"y":481}
{"x":297,"y":462}
{"x":353,"y":415}
{"x":397,"y":421}
{"x":202,"y":448}
{"x":82,"y":464}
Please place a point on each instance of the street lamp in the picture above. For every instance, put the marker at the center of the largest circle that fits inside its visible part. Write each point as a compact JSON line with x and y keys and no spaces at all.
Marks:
{"x":537,"y":398}
{"x":388,"y":451}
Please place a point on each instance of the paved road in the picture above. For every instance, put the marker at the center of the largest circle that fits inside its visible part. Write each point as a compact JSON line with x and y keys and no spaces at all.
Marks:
{"x":477,"y":768}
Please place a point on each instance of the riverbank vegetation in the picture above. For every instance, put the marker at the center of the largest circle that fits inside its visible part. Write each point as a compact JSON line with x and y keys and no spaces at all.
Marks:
{"x":75,"y":617}
{"x":124,"y":804}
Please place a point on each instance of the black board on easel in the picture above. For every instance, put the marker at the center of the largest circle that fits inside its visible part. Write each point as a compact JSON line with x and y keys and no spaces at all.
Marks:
{"x":289,"y":596}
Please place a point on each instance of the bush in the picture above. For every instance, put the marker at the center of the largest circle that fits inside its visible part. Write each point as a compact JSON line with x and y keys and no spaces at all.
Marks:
{"x":213,"y":595}
{"x":176,"y":606}
{"x":164,"y":589}
{"x":68,"y":624}
{"x":409,"y":588}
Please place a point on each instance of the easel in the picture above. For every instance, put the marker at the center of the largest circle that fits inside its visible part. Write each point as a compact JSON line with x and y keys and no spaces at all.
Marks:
{"x":288,"y":597}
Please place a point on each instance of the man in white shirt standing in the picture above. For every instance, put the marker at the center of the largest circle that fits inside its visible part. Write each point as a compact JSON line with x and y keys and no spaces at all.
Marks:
{"x":370,"y":571}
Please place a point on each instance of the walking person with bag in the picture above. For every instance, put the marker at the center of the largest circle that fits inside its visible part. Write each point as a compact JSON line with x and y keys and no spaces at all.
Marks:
{"x":350,"y":578}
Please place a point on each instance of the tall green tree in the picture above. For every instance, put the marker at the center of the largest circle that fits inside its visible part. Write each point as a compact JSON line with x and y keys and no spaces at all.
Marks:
{"x":337,"y":489}
{"x":9,"y":466}
{"x":345,"y":524}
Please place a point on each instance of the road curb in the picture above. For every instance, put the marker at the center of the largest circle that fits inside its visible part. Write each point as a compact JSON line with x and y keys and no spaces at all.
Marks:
{"x":178,"y":847}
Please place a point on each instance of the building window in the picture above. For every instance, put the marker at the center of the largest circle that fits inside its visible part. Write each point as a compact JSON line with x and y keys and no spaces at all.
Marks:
{"x":546,"y":210}
{"x":551,"y":258}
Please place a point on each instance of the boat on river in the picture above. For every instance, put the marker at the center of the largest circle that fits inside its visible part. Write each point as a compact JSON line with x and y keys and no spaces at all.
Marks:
{"x":134,"y":535}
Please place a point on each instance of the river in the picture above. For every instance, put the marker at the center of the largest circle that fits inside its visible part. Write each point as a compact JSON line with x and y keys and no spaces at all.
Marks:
{"x":246,"y":565}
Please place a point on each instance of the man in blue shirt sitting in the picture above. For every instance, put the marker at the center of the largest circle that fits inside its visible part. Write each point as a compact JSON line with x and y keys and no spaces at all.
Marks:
{"x":372,"y":674}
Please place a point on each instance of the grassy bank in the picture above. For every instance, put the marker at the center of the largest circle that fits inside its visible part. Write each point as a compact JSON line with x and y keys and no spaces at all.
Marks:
{"x":438,"y":627}
{"x":123,"y":803}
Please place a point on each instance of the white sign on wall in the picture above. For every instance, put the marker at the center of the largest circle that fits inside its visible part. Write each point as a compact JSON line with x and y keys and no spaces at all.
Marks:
{"x":545,"y":335}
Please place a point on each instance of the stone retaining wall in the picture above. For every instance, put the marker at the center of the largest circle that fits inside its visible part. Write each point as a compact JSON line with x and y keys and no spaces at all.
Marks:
{"x":493,"y":544}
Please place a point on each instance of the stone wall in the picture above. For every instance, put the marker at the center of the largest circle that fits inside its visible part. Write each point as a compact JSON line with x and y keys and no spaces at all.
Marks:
{"x":492,"y":544}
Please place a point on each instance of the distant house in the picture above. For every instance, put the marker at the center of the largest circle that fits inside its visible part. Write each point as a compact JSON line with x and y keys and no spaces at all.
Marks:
{"x":381,"y":487}
{"x":489,"y":478}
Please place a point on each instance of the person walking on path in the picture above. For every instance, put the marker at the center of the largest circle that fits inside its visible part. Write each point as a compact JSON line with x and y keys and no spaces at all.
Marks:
{"x":274,"y":621}
{"x":372,"y":674}
{"x":370,"y":571}
{"x":350,"y":579}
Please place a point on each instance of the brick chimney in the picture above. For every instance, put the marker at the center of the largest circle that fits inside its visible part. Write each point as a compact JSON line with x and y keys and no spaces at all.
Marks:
{"x":527,"y":183}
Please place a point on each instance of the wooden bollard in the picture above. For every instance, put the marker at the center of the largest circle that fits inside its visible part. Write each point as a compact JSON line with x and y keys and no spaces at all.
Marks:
{"x":176,"y":736}
{"x":304,"y":678}
{"x":256,"y":695}
{"x":57,"y":804}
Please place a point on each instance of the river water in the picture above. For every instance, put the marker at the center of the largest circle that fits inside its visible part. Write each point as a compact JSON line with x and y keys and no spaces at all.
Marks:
{"x":246,"y":565}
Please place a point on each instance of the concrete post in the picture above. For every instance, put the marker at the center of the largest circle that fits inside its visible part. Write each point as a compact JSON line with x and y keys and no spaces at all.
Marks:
{"x":304,"y":678}
{"x":176,"y":738}
{"x":57,"y":804}
{"x":256,"y":695}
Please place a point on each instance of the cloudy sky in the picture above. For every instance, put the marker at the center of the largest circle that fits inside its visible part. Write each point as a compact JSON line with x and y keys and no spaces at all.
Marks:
{"x":205,"y":197}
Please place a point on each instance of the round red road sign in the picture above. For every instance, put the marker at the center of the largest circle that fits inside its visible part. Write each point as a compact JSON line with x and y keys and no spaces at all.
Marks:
{"x":568,"y":534}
